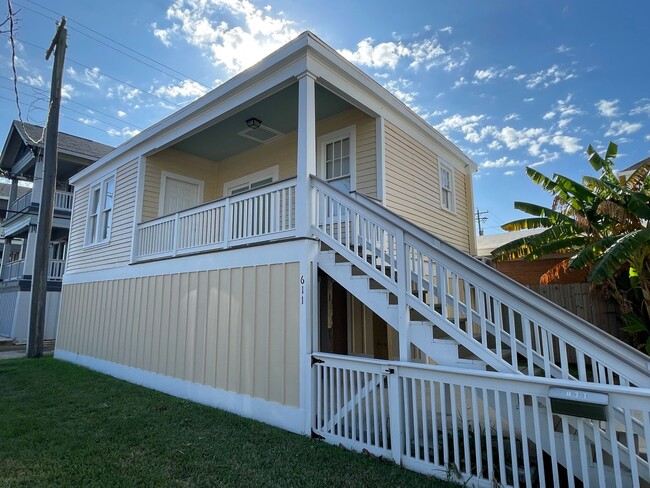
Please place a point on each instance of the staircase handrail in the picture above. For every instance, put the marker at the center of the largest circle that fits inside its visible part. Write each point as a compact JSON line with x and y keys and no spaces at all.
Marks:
{"x":626,"y":361}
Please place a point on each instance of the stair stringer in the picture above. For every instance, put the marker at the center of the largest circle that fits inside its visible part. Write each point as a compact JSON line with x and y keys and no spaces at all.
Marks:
{"x":359,"y":286}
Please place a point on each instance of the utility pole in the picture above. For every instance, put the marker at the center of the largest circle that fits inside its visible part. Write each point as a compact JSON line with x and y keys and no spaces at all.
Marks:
{"x":46,"y":207}
{"x":480,"y":220}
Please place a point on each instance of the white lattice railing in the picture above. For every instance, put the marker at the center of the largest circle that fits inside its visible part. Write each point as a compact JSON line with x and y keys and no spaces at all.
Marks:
{"x":492,"y":428}
{"x":509,"y":327}
{"x":258,"y":215}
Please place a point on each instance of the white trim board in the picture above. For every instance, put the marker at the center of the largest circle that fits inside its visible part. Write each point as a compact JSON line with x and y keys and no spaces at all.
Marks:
{"x":273,"y":253}
{"x":282,"y":416}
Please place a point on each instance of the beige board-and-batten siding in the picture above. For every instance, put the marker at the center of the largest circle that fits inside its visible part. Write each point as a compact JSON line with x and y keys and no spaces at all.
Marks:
{"x":281,"y":152}
{"x":233,"y":329}
{"x":413,"y":189}
{"x":117,"y":251}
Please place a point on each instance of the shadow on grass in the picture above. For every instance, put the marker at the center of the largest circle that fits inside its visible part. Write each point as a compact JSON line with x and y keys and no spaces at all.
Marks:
{"x":63,"y":425}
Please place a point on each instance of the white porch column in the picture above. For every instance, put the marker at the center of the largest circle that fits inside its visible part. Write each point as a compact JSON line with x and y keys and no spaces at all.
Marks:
{"x":30,"y":251}
{"x":13,"y":192}
{"x":38,"y":180}
{"x":6,"y":251}
{"x":306,"y":152}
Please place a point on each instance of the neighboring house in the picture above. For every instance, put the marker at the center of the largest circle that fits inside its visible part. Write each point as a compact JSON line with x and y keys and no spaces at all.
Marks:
{"x":5,"y":191}
{"x":522,"y":270}
{"x":22,"y":158}
{"x":295,"y":247}
{"x":629,"y":171}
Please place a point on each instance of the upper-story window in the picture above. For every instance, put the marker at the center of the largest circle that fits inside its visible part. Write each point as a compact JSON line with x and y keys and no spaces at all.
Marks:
{"x":100,"y":211}
{"x":337,"y":157}
{"x":447,"y":193}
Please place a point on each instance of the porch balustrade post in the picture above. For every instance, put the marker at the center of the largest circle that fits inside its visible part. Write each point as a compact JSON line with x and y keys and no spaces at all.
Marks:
{"x":227,"y":219}
{"x":177,"y":233}
{"x":306,"y":153}
{"x":396,"y":416}
{"x":403,"y":283}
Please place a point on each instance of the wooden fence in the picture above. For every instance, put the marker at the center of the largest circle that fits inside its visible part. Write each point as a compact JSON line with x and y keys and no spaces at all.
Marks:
{"x":592,"y":307}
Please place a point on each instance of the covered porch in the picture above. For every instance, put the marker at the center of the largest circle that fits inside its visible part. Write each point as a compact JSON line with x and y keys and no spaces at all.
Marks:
{"x":241,"y":178}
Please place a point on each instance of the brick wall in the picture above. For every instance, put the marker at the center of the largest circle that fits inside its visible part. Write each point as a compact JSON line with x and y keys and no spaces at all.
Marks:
{"x":529,"y":272}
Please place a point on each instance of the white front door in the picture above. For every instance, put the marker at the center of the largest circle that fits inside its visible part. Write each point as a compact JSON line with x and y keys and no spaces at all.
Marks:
{"x":179,"y":195}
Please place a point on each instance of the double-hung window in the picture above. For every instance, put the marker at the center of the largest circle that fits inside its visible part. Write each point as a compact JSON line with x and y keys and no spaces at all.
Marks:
{"x":337,"y":158}
{"x":100,"y":211}
{"x":447,"y":194}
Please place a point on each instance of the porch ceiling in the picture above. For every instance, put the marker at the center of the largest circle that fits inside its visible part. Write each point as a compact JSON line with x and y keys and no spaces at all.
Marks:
{"x":278,"y":111}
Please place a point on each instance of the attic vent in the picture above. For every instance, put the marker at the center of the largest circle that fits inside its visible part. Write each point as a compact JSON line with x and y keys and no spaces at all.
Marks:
{"x":262,"y":134}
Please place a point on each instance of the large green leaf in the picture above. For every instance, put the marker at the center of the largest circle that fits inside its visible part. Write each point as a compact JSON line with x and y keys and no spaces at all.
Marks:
{"x":620,"y":253}
{"x":531,"y":223}
{"x":639,"y":175}
{"x":594,"y":158}
{"x":583,"y":194}
{"x":569,"y":244}
{"x":590,"y":253}
{"x":546,"y":183}
{"x":539,"y":211}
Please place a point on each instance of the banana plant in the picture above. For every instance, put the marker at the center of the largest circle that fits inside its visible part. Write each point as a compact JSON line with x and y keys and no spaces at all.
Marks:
{"x":601,"y":225}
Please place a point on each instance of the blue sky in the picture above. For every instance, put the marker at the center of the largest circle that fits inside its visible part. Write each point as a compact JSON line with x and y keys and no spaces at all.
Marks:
{"x":513,"y":83}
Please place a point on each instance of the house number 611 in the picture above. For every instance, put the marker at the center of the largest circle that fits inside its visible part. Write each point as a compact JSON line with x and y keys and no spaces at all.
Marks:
{"x":302,"y":290}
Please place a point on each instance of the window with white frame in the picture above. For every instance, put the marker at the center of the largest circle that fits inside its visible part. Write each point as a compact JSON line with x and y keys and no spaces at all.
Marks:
{"x":100,"y":211}
{"x":251,"y":181}
{"x":447,"y":193}
{"x":337,"y":156}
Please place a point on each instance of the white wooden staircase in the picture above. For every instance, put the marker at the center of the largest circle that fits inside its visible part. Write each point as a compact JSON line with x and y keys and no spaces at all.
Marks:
{"x":465,"y":315}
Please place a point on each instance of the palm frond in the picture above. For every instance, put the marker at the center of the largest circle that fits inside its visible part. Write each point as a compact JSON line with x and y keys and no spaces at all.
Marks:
{"x":592,"y":252}
{"x":530,"y":223}
{"x":569,"y":244}
{"x":539,"y":211}
{"x":638,"y":178}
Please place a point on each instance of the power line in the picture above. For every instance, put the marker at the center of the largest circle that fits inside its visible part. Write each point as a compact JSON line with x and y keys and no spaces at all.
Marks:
{"x":69,"y":100}
{"x":480,"y":220}
{"x":103,"y":73}
{"x":116,"y":42}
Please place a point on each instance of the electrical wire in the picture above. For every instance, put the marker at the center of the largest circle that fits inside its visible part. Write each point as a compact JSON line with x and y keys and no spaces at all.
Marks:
{"x":184,"y":76}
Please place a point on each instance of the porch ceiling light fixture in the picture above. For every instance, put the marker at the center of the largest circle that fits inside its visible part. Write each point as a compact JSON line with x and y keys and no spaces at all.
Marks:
{"x":253,"y":123}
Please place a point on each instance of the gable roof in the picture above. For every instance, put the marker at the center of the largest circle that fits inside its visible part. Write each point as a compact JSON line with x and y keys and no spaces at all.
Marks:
{"x":324,"y":56}
{"x":486,"y":244}
{"x":75,"y":145}
{"x":5,"y":189}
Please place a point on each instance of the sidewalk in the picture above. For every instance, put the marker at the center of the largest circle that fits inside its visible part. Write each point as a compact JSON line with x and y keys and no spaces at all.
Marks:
{"x":9,"y":350}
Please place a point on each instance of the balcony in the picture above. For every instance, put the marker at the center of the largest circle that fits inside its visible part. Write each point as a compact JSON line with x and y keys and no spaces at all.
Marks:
{"x":15,"y":270}
{"x":264,"y":214}
{"x":62,"y":201}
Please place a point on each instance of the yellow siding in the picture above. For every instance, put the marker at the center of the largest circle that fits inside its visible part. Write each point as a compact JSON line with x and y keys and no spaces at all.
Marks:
{"x":117,"y":251}
{"x":181,"y":163}
{"x":234,"y":329}
{"x":413,"y":189}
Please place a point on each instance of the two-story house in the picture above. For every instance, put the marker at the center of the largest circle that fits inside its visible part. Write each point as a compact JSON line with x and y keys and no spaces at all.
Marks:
{"x":295,"y":246}
{"x":22,"y":159}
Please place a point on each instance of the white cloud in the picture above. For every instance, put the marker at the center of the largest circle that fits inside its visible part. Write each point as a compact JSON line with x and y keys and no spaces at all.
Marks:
{"x":503,"y":162}
{"x":562,"y":49}
{"x":185,"y":89}
{"x":233,"y":33}
{"x":485,"y":75}
{"x":460,"y":82}
{"x":569,"y":144}
{"x":512,"y":116}
{"x":125,"y":132}
{"x":90,"y":76}
{"x":86,"y":121}
{"x":447,"y":30}
{"x":527,"y":100}
{"x":608,"y":108}
{"x":549,"y":115}
{"x":647,"y":137}
{"x":67,"y":90}
{"x":35,"y":81}
{"x":621,"y":127}
{"x":383,"y":55}
{"x":547,"y":77}
{"x":509,"y":173}
{"x":121,"y":114}
{"x":643,"y":107}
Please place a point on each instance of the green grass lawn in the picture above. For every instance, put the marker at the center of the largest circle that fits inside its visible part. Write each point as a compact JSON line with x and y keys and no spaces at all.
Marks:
{"x":63,"y":425}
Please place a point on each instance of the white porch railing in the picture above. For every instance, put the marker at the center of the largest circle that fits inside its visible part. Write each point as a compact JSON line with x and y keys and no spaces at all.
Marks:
{"x":510,"y":328}
{"x":13,"y":270}
{"x":491,"y":428}
{"x":258,"y":215}
{"x":20,"y":204}
{"x":63,"y":200}
{"x":56,"y":268}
